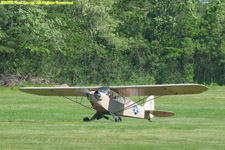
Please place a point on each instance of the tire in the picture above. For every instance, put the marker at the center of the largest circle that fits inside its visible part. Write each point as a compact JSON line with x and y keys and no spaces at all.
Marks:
{"x":86,"y":119}
{"x":120,"y":119}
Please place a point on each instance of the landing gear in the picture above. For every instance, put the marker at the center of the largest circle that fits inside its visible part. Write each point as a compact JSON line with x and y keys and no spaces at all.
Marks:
{"x":116,"y":119}
{"x":99,"y":116}
{"x":149,"y":119}
{"x":107,"y":118}
{"x":120,"y":119}
{"x":86,"y":119}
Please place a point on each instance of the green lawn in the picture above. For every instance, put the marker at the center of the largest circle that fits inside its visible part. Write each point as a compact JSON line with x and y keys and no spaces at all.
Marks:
{"x":37,"y":122}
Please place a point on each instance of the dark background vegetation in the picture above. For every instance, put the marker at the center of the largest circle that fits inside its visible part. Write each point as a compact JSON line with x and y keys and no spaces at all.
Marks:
{"x":115,"y":41}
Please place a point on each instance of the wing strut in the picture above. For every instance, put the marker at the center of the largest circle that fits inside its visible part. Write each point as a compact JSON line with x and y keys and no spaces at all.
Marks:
{"x":139,"y":102}
{"x":129,"y":106}
{"x":96,"y":116}
{"x":75,"y":101}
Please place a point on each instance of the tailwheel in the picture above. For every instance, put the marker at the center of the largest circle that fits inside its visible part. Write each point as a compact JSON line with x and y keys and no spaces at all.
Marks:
{"x":86,"y":119}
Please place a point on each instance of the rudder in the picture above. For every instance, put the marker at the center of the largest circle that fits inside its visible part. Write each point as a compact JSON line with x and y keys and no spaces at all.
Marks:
{"x":149,"y":104}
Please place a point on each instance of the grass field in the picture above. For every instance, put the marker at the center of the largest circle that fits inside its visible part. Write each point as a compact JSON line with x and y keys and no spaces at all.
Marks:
{"x":37,"y":122}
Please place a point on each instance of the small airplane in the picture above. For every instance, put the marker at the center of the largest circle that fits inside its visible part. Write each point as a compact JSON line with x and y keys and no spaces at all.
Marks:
{"x":113,"y":100}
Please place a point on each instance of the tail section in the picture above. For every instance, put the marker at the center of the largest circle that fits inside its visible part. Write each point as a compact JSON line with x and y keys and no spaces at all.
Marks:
{"x":160,"y":113}
{"x":150,"y":111}
{"x":149,"y":106}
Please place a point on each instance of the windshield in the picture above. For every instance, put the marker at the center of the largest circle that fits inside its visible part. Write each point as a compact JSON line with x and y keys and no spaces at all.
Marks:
{"x":104,"y":90}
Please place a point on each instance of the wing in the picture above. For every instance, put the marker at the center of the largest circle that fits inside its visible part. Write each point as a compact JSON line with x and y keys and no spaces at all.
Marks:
{"x":139,"y":90}
{"x":59,"y":91}
{"x":171,"y":89}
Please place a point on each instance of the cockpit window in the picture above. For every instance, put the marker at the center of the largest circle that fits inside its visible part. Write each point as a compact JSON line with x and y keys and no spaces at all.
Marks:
{"x":113,"y":95}
{"x":104,"y":90}
{"x":116,"y":97}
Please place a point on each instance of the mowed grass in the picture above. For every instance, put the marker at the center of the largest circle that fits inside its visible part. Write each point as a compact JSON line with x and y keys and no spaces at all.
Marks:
{"x":38,"y":122}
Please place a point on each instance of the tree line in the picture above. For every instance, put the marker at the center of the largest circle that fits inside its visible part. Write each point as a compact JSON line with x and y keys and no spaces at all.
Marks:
{"x":116,"y":42}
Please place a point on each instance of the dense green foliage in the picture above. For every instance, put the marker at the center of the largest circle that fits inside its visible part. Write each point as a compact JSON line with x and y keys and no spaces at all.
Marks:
{"x":115,"y":42}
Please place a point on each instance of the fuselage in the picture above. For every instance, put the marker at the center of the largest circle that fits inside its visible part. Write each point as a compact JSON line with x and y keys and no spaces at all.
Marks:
{"x":107,"y":102}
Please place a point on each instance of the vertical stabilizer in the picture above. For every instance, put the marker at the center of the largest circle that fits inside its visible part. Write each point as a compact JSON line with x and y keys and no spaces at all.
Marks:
{"x":149,"y":104}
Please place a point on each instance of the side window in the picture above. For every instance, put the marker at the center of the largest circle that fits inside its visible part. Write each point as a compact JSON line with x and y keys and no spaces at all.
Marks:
{"x":118,"y":98}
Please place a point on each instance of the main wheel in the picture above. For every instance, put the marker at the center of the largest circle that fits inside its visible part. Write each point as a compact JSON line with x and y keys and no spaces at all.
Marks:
{"x":86,"y":119}
{"x":107,"y":118}
{"x":120,"y":119}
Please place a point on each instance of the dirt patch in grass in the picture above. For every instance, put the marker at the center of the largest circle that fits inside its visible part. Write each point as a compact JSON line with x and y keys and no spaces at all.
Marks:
{"x":19,"y":80}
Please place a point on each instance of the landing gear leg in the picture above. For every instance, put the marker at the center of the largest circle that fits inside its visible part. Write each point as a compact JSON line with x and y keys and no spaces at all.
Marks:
{"x":149,"y":119}
{"x":116,"y":119}
{"x":96,"y":116}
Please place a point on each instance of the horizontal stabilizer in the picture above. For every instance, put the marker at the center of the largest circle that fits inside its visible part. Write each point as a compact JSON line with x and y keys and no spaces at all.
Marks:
{"x":160,"y":113}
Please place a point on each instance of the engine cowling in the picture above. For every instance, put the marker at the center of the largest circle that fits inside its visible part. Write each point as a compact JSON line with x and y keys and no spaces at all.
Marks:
{"x":97,"y":95}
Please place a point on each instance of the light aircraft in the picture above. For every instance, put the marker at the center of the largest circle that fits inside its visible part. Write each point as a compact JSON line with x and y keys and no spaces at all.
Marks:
{"x":113,"y":100}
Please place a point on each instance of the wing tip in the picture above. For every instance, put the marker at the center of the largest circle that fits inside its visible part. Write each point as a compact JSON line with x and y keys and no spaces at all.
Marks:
{"x":202,"y":88}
